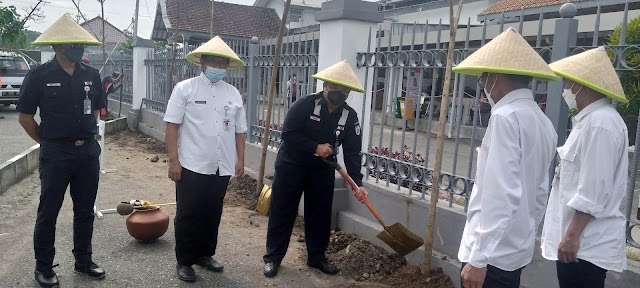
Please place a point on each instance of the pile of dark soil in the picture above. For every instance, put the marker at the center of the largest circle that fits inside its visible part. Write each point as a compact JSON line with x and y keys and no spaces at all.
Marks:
{"x":147,"y":143}
{"x":372,"y":266}
{"x":242,"y":192}
{"x":411,"y":277}
{"x":361,"y":260}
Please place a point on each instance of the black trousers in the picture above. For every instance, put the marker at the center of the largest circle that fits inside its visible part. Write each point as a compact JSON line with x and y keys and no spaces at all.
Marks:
{"x":63,"y":164}
{"x":288,"y":184}
{"x":498,"y":278}
{"x":580,"y":275}
{"x":199,"y":200}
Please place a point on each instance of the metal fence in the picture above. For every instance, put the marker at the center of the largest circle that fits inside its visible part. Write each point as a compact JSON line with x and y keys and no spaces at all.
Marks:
{"x":299,"y":58}
{"x":116,"y":62}
{"x":164,"y":64}
{"x":410,"y":67}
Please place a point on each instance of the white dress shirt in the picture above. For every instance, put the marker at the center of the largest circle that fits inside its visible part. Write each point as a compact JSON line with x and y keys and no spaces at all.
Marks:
{"x":591,"y":178}
{"x":511,"y":187}
{"x":209,"y":115}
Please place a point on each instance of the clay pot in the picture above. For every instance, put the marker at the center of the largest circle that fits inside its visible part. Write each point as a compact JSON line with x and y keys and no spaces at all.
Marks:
{"x":147,"y":224}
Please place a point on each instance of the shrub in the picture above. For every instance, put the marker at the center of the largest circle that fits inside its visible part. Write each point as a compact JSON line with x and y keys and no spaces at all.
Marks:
{"x":630,"y":79}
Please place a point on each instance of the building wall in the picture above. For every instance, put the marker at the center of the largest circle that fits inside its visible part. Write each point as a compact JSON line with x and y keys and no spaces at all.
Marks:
{"x":421,"y":15}
{"x":308,"y":14}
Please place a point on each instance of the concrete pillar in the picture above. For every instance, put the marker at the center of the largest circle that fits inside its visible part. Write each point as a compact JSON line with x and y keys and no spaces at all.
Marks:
{"x":142,"y":48}
{"x":344,"y":31}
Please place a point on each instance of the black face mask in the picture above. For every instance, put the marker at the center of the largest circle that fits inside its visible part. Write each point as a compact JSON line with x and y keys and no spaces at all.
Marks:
{"x":74,"y":54}
{"x":336,"y":98}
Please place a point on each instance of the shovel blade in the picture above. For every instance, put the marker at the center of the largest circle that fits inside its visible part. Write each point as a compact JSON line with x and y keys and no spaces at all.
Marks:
{"x":264,"y":201}
{"x":400,"y":239}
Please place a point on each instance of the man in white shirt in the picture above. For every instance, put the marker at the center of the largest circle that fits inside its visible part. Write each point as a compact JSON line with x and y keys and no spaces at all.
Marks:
{"x":205,"y":140}
{"x":512,"y":178}
{"x":584,"y":230}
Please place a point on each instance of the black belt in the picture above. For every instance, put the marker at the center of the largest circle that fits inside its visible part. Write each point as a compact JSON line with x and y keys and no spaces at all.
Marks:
{"x":76,"y":141}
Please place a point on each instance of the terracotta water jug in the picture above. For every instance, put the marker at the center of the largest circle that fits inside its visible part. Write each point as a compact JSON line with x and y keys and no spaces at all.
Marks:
{"x":147,"y":224}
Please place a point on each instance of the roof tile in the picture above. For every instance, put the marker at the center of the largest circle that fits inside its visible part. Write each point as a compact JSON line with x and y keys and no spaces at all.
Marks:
{"x":514,"y":5}
{"x":229,"y":19}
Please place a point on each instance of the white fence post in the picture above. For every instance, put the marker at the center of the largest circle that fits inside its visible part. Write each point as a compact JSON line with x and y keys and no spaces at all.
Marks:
{"x":344,"y":31}
{"x":141,"y":49}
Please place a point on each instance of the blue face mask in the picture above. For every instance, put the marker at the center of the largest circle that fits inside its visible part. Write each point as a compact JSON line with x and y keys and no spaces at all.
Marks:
{"x":215,"y":74}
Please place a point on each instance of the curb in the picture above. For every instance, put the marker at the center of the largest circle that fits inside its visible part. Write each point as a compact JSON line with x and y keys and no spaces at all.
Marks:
{"x":18,"y":167}
{"x":22,"y":165}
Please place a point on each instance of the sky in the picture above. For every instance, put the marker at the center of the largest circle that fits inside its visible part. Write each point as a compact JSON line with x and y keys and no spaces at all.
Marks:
{"x":117,"y":12}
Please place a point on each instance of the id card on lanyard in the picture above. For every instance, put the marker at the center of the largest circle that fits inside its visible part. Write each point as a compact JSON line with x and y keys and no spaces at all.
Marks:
{"x":226,"y":120}
{"x":87,"y":102}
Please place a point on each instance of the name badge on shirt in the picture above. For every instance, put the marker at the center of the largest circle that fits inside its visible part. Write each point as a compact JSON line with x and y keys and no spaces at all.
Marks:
{"x":87,"y":106}
{"x":226,"y":123}
{"x":201,"y":102}
{"x":53,"y":85}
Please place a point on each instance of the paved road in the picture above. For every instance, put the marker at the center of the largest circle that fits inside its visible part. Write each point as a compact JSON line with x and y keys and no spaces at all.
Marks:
{"x":13,"y":139}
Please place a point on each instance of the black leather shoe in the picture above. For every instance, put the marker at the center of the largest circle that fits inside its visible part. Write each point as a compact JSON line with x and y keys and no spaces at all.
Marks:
{"x":271,"y":269}
{"x":92,"y":270}
{"x":210,"y":264}
{"x":325,"y":267}
{"x":186,"y":273}
{"x":46,"y":279}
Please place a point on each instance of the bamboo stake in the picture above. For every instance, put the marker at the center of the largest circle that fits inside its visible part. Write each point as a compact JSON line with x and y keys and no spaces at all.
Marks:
{"x":435,"y":189}
{"x":272,"y":92}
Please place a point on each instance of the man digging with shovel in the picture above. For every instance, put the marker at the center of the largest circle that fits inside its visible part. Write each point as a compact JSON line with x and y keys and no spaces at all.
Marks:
{"x":314,"y":128}
{"x":507,"y":203}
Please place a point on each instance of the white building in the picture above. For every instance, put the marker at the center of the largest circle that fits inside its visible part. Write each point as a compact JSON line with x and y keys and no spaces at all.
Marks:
{"x":301,"y":12}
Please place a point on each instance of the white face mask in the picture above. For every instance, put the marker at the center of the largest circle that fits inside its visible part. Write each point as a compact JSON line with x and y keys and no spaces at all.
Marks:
{"x":570,"y":98}
{"x":488,"y":93}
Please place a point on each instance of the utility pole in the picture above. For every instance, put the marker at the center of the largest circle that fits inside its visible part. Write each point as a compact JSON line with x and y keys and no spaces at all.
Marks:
{"x":135,"y":23}
{"x":78,"y":16}
{"x":211,"y":27}
{"x":104,"y":52}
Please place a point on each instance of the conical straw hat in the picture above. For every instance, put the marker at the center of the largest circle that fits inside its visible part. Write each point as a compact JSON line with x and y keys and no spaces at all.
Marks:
{"x":508,"y":53}
{"x":66,"y":31}
{"x":216,"y":47}
{"x":341,"y":74}
{"x":593,"y":69}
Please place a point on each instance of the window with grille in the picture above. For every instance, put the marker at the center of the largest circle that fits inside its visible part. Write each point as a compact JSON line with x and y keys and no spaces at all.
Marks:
{"x":295,"y":14}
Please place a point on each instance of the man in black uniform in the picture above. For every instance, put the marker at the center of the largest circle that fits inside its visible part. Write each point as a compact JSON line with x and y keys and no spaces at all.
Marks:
{"x":314,"y":128}
{"x":69,"y":96}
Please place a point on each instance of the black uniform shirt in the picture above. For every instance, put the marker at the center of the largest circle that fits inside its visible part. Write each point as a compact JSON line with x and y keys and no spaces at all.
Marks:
{"x":60,"y":97}
{"x":301,"y":135}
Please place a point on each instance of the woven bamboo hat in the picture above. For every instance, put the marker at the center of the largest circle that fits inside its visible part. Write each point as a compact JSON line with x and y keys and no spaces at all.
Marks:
{"x":593,"y":69}
{"x":66,"y":31}
{"x":508,"y":53}
{"x":216,"y":47}
{"x":341,"y":74}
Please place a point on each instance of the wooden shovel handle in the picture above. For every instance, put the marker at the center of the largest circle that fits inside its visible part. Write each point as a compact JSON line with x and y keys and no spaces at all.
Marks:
{"x":355,"y":187}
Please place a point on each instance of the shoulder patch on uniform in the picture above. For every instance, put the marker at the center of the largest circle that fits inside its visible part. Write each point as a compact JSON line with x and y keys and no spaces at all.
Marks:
{"x":358,"y":130}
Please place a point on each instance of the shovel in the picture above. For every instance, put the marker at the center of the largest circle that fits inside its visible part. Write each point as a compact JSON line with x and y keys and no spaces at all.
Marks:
{"x":264,"y":200}
{"x":399,"y":238}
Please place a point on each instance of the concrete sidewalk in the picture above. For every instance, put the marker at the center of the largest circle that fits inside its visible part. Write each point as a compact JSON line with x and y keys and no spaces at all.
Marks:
{"x":132,"y":264}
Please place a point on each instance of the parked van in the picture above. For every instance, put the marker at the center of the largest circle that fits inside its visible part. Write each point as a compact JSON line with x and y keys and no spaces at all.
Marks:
{"x":13,"y":69}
